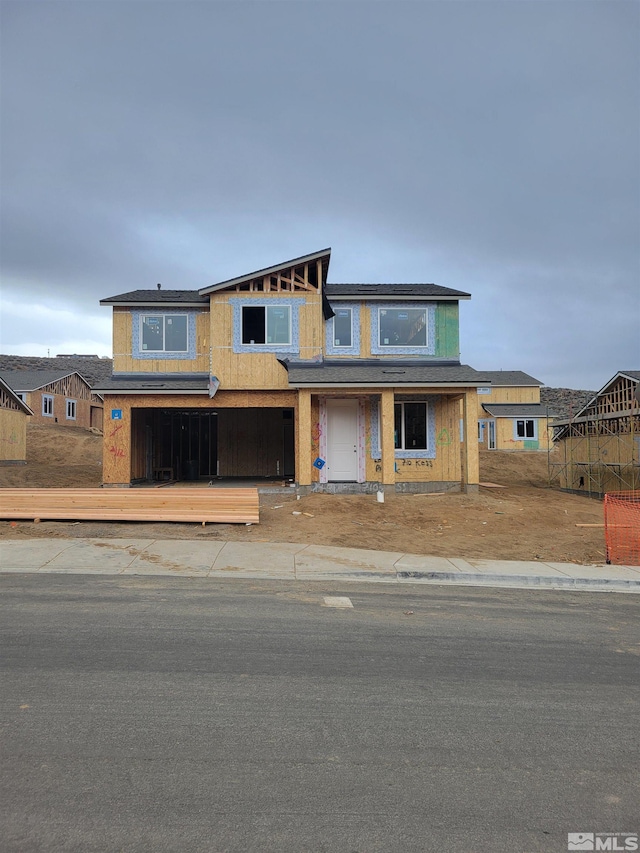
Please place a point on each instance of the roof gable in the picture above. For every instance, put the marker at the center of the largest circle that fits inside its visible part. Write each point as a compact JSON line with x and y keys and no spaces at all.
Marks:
{"x":9,"y":395}
{"x":270,"y":278}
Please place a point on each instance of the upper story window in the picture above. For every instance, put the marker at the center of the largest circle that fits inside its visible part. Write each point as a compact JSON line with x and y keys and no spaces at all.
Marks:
{"x":163,"y":333}
{"x":47,"y":405}
{"x":266,"y":324}
{"x":263,"y":324}
{"x":403,"y":329}
{"x":400,"y":327}
{"x":342,"y":335}
{"x":343,"y":328}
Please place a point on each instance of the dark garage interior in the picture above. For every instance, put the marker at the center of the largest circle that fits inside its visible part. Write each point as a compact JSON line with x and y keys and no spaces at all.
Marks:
{"x":194,"y":444}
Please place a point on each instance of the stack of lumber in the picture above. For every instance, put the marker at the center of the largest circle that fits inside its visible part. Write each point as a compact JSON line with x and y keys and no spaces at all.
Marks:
{"x":228,"y":506}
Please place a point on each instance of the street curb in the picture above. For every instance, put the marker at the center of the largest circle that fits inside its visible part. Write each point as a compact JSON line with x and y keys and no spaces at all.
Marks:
{"x":468,"y":578}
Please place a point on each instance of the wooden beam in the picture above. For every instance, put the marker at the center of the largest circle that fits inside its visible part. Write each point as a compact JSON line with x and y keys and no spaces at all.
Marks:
{"x":387,"y":442}
{"x":303,"y":437}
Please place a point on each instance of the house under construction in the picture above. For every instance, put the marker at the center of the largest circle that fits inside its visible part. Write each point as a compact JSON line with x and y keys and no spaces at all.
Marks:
{"x":598,"y":449}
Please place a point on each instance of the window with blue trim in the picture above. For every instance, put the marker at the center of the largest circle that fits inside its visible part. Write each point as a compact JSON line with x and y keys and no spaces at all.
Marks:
{"x":164,"y":333}
{"x":403,"y":327}
{"x":343,"y":328}
{"x":266,"y":324}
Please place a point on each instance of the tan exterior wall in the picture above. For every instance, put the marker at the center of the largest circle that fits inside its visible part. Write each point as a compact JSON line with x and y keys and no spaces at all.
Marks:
{"x":508,"y":394}
{"x":598,"y":464}
{"x":13,"y":436}
{"x":124,"y":362}
{"x":257,"y":370}
{"x":506,"y":441}
{"x":59,"y":416}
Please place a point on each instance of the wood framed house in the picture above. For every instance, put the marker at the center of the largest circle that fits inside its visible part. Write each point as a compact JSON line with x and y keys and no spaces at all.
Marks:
{"x":279,"y":374}
{"x":598,"y":449}
{"x":13,"y":426}
{"x":510,"y":414}
{"x":57,"y":396}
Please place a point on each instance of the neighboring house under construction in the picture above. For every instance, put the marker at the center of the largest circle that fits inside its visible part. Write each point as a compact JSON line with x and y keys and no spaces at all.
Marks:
{"x":598,"y":450}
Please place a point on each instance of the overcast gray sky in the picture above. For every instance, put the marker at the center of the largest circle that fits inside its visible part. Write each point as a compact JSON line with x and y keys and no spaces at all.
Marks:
{"x":492,"y":147}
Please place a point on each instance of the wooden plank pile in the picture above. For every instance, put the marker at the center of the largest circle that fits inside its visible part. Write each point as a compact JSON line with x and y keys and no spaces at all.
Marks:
{"x":227,"y":506}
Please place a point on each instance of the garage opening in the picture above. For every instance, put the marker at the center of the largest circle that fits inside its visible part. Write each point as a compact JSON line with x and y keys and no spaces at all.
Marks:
{"x":194,"y":444}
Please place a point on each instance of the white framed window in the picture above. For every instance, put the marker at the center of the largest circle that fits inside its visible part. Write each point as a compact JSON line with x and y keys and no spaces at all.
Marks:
{"x":71,"y":410}
{"x":47,"y":405}
{"x":402,"y":327}
{"x":21,"y":395}
{"x":343,"y":328}
{"x":410,"y":427}
{"x":481,"y":426}
{"x":164,"y":333}
{"x":266,"y":324}
{"x":525,"y":428}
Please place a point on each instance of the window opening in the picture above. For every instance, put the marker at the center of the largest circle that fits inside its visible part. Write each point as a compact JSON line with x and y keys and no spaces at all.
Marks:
{"x":410,"y":426}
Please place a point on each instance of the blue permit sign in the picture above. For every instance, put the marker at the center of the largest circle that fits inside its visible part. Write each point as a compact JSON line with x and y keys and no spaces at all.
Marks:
{"x":116,"y":414}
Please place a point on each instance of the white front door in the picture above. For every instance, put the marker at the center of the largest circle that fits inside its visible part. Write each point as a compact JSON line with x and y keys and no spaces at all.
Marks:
{"x":342,"y":440}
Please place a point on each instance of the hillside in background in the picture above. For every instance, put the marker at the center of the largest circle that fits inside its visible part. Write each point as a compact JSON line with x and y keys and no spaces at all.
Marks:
{"x":93,"y":369}
{"x":562,"y":402}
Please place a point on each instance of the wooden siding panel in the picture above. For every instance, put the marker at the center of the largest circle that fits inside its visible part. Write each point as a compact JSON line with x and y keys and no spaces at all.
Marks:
{"x":13,"y":436}
{"x":447,"y":330}
{"x":125,"y":362}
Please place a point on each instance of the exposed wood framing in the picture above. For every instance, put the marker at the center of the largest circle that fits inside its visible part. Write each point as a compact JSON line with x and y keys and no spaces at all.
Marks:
{"x":7,"y":401}
{"x":289,"y":281}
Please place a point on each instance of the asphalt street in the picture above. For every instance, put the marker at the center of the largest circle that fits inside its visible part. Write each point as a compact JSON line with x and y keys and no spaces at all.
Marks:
{"x":160,"y":714}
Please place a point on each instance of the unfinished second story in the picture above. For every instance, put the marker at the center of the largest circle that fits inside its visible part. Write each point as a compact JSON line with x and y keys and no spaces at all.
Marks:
{"x":245,"y":330}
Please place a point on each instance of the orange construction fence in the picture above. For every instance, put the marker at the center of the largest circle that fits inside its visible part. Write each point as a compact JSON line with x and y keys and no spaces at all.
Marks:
{"x":622,"y":528}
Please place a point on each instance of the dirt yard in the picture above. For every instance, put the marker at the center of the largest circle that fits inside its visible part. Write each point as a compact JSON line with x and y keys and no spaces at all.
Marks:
{"x":525,"y":520}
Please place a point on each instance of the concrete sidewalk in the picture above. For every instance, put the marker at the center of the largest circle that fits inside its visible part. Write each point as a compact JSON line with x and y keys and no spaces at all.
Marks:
{"x":286,"y":561}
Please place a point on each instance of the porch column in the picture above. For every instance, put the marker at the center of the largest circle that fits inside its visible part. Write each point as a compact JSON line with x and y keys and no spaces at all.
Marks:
{"x":303,"y":437}
{"x":387,"y":443}
{"x":116,"y":442}
{"x":470,"y":452}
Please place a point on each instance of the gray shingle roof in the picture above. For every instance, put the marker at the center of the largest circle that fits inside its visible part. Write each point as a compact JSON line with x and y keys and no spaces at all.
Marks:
{"x":377,"y":372}
{"x":153,"y":383}
{"x":157,"y":297}
{"x":510,"y":377}
{"x":31,"y":380}
{"x":517,"y":410}
{"x":371,"y":291}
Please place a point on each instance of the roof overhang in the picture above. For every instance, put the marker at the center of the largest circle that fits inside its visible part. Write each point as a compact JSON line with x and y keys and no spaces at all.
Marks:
{"x":441,"y":386}
{"x":370,"y":297}
{"x":155,"y":305}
